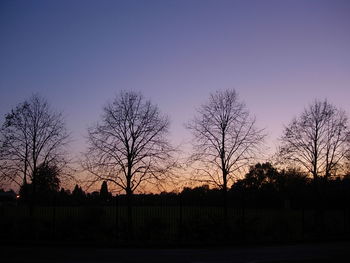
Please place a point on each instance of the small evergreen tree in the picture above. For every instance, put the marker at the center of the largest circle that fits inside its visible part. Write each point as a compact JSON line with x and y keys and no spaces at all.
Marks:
{"x":104,"y":194}
{"x":78,"y":195}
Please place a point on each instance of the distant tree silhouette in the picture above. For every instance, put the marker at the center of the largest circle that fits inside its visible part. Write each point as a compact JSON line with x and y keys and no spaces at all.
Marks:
{"x":291,"y":181}
{"x":104,"y":194}
{"x":32,"y":134}
{"x":47,"y":184}
{"x":265,"y":186}
{"x":78,"y":195}
{"x":196,"y":194}
{"x":129,"y":147}
{"x":48,"y":177}
{"x":225,"y":140}
{"x":260,"y":175}
{"x":64,"y":197}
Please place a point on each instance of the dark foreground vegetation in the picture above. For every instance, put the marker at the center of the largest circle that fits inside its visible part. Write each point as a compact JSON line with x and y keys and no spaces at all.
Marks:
{"x":266,"y":206}
{"x":305,"y":253}
{"x":168,"y":226}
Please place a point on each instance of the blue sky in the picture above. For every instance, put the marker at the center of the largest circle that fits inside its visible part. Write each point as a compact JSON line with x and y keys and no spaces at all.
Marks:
{"x":278,"y":55}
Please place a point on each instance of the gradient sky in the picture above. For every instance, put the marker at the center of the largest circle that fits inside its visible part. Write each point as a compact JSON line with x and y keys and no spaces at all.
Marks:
{"x":278,"y":55}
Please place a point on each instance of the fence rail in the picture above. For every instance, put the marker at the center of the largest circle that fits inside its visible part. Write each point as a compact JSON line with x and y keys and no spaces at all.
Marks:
{"x":169,"y":224}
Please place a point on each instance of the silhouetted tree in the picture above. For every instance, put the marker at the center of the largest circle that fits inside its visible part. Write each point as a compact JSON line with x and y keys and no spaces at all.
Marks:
{"x":47,"y":184}
{"x":225,"y":140}
{"x":292,"y":180}
{"x":129,"y":147}
{"x":31,"y":134}
{"x":104,"y":194}
{"x":48,"y":177}
{"x":265,"y":186}
{"x":260,"y":175}
{"x":318,"y":140}
{"x":78,"y":195}
{"x":64,"y":197}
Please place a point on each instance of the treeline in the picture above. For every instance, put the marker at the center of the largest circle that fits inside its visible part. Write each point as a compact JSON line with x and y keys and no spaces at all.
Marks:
{"x":130,"y":148}
{"x":264,"y":186}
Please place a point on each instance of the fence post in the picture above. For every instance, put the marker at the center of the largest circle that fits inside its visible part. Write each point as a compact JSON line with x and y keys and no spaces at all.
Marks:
{"x":243,"y":223}
{"x":181,"y":219}
{"x":54,"y":217}
{"x":346,"y":221}
{"x":116,"y":218}
{"x":303,"y":223}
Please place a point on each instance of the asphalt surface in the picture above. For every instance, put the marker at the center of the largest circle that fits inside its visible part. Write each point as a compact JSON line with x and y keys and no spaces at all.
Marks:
{"x":306,"y":253}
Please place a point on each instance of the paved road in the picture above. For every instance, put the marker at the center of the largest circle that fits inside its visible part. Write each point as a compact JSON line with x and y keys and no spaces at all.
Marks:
{"x":305,"y":253}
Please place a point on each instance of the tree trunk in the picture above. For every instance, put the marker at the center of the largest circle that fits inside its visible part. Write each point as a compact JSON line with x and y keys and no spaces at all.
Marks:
{"x":225,"y":206}
{"x":129,"y":196}
{"x":224,"y":177}
{"x":225,"y":203}
{"x":116,"y":218}
{"x":318,"y":214}
{"x":32,"y":193}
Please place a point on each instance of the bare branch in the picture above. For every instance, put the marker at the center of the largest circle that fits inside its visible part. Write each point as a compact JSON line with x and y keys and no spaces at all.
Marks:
{"x":318,"y":140}
{"x":31,"y":135}
{"x":129,"y":147}
{"x":225,"y":139}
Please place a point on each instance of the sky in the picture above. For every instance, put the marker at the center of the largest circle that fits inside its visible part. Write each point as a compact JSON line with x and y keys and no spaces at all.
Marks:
{"x":278,"y":55}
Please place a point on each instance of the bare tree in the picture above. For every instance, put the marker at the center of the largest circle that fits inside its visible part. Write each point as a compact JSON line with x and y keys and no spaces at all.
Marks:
{"x":32,"y":134}
{"x":318,"y":140}
{"x":129,"y":148}
{"x":225,"y":140}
